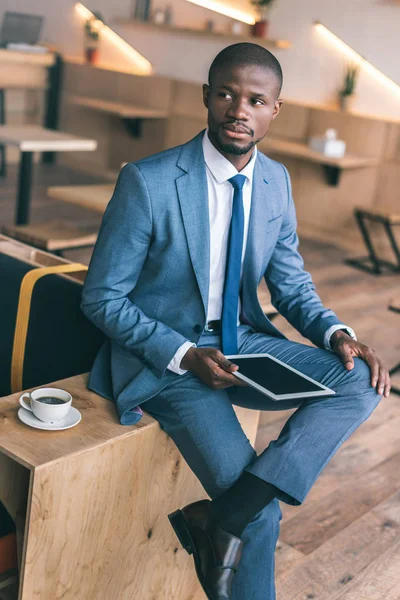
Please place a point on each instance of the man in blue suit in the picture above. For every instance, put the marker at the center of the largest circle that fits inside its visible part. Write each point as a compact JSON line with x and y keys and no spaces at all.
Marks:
{"x":184,"y":243}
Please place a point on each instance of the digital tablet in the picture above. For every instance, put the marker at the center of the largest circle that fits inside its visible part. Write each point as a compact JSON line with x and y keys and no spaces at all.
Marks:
{"x":276,"y":379}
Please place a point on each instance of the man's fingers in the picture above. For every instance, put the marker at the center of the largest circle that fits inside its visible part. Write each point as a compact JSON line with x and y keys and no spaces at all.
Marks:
{"x":347,"y":358}
{"x":374,"y":367}
{"x":383,"y":382}
{"x":223,"y":378}
{"x":387,"y":385}
{"x":224,"y":363}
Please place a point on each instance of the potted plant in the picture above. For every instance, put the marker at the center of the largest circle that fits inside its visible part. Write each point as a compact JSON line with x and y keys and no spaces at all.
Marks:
{"x":260,"y":28}
{"x":93,"y":27}
{"x":346,"y":94}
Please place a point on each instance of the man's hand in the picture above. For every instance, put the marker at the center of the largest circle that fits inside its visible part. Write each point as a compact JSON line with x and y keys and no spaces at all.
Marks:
{"x":211,"y":366}
{"x":344,"y":345}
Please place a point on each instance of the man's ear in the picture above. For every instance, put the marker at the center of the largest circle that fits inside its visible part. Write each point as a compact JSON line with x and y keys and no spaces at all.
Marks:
{"x":206,"y":91}
{"x":277,"y":108}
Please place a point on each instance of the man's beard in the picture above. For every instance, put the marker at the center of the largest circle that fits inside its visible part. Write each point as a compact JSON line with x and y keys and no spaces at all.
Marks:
{"x":232,"y":148}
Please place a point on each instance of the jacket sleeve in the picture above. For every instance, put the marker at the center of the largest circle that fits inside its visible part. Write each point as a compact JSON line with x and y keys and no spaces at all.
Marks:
{"x":118,"y":258}
{"x":291,"y":287}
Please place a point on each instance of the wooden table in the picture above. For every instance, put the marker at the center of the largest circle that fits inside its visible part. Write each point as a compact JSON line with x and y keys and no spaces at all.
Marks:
{"x":91,"y":503}
{"x":37,"y":139}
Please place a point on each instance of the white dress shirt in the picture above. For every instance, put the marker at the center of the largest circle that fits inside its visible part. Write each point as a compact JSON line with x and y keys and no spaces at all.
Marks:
{"x":220,"y":199}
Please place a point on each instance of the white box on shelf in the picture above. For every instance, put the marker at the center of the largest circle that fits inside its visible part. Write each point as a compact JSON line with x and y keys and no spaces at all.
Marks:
{"x":328,"y":145}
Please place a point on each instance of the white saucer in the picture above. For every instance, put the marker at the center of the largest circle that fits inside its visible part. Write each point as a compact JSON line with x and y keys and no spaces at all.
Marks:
{"x":73,"y":417}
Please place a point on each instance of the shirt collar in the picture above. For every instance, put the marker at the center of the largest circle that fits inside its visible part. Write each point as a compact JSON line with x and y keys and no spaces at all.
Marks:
{"x":220,"y":167}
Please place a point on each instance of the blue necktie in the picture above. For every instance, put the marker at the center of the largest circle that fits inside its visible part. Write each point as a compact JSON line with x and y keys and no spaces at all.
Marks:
{"x":233,"y":267}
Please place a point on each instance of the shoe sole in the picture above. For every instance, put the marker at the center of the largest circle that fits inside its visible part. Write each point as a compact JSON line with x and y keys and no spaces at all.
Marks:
{"x":178,"y":523}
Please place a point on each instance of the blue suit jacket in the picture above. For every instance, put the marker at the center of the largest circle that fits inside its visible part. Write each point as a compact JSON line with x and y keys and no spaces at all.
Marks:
{"x":147,"y":285}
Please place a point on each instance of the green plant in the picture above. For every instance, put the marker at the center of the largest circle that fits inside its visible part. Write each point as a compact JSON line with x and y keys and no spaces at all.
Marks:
{"x":93,"y":26}
{"x":350,"y":79}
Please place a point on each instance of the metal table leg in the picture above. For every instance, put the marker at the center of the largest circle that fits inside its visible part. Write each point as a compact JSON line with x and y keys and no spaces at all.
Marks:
{"x":53,"y":96}
{"x":3,"y":165}
{"x":24,"y":188}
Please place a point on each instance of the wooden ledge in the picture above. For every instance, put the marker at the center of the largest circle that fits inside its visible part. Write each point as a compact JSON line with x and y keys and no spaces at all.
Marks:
{"x":333,"y":166}
{"x":125,"y":111}
{"x":95,"y":197}
{"x":52,"y":236}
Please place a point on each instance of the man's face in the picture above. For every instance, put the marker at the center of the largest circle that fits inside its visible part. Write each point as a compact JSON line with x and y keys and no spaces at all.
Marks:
{"x":241,"y":102}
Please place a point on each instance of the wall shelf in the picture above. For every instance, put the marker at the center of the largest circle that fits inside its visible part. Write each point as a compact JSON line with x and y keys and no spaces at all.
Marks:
{"x":333,"y":167}
{"x":216,"y":35}
{"x":131,"y":115}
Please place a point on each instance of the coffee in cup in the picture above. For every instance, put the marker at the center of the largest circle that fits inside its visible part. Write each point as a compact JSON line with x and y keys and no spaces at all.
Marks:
{"x":50,"y":405}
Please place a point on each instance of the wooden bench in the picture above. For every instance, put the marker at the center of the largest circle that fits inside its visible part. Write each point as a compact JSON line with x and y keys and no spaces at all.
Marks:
{"x":53,"y":236}
{"x":37,"y":139}
{"x":372,"y":263}
{"x":91,"y":503}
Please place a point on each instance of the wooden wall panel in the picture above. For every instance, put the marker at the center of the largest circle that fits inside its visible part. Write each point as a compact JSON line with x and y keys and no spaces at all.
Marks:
{"x":182,"y":129}
{"x":292,"y":122}
{"x":188,"y":100}
{"x":90,"y":123}
{"x":84,"y":80}
{"x":321,"y":208}
{"x":392,"y":142}
{"x":126,"y":148}
{"x":152,"y":92}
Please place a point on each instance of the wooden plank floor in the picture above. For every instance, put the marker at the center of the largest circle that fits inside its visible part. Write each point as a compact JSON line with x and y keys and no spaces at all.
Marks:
{"x":343,"y":543}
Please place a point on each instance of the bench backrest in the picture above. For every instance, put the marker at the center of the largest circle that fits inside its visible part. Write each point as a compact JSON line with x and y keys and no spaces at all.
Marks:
{"x":60,"y":343}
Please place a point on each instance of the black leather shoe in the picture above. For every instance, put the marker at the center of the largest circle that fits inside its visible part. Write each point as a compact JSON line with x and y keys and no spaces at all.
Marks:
{"x":216,"y":552}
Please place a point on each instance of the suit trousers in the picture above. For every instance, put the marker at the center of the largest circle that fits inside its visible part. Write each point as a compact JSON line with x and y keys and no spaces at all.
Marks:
{"x":204,"y":427}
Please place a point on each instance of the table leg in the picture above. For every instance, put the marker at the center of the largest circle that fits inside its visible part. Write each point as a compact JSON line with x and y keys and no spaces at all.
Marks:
{"x":24,"y":188}
{"x":51,"y":120}
{"x":2,"y":122}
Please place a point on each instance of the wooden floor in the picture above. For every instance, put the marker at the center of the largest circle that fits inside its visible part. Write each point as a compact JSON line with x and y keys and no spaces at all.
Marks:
{"x":344,"y":541}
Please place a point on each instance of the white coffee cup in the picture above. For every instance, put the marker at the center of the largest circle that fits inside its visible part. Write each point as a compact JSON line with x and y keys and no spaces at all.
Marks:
{"x":48,"y":413}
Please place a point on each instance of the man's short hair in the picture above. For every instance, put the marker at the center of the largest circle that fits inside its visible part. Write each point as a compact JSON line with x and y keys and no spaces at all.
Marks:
{"x":246,"y":53}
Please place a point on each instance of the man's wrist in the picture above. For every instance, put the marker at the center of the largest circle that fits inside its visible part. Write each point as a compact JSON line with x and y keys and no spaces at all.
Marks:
{"x":336,"y":335}
{"x":345,"y":332}
{"x":185,"y":362}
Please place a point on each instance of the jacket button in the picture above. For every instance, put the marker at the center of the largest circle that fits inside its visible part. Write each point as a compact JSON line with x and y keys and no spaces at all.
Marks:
{"x":198,"y":328}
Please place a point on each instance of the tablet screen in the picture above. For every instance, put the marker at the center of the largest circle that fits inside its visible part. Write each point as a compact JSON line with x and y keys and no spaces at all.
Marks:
{"x":273,"y":376}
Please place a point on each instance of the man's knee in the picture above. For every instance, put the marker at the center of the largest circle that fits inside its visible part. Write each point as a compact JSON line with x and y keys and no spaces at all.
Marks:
{"x":361,"y":375}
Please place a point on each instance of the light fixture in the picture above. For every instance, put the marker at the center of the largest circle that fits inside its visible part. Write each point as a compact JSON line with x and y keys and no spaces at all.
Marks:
{"x":141,"y":64}
{"x":356,"y":57}
{"x":228,"y":11}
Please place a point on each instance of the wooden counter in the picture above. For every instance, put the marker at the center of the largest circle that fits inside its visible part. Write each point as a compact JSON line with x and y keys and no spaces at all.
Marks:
{"x":91,"y":503}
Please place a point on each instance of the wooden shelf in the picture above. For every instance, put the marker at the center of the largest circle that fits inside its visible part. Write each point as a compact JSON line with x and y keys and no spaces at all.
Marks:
{"x":281,"y":44}
{"x":125,"y":111}
{"x":298,"y":150}
{"x":95,"y":197}
{"x":333,"y":166}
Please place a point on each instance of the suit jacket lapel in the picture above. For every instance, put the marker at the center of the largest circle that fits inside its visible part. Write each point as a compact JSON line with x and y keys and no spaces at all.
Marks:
{"x":193,"y":199}
{"x":265,"y":206}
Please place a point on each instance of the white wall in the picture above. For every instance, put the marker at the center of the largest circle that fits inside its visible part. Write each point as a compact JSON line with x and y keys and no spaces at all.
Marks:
{"x":312,"y":68}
